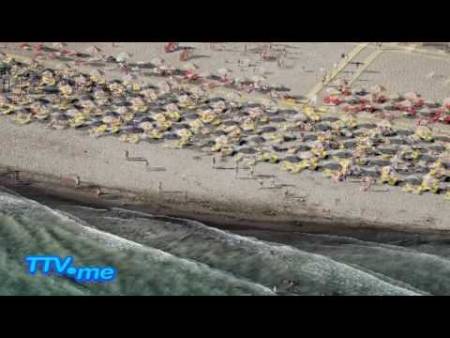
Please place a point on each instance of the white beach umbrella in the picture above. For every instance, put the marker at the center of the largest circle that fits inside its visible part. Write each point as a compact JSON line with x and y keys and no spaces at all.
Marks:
{"x":223,"y":72}
{"x":157,"y":62}
{"x":129,"y":77}
{"x":59,"y":45}
{"x":406,"y":104}
{"x":188,"y":66}
{"x":430,"y":75}
{"x":93,"y":50}
{"x":97,"y":72}
{"x":411,"y":96}
{"x":245,"y":62}
{"x":123,"y":57}
{"x":425,"y":111}
{"x":377,"y":89}
{"x":446,"y":102}
{"x":332,"y":91}
{"x":258,"y":78}
{"x":394,"y":97}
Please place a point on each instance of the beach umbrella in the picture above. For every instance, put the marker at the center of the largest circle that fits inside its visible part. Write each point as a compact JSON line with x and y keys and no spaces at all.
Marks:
{"x":411,"y":96}
{"x":157,"y":62}
{"x":224,"y":72}
{"x":59,"y":45}
{"x":334,"y":100}
{"x":128,"y":77}
{"x":188,"y":66}
{"x":258,"y":78}
{"x":186,"y":54}
{"x":93,"y":50}
{"x":170,"y":47}
{"x":332,"y":91}
{"x":427,"y":112}
{"x":405,"y":104}
{"x":377,"y":89}
{"x":394,"y":97}
{"x":446,"y":103}
{"x":123,"y":57}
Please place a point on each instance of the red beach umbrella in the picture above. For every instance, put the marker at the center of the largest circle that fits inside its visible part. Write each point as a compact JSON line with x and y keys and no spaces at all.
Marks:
{"x":170,"y":47}
{"x":333,"y":100}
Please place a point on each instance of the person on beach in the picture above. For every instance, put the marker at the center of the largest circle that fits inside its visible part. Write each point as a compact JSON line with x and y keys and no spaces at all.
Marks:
{"x":171,"y":47}
{"x":185,"y":55}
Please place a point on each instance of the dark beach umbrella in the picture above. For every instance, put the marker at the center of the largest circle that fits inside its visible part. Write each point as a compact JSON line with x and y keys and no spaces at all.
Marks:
{"x":341,"y":154}
{"x":367,"y":125}
{"x":348,"y":144}
{"x":230,"y":123}
{"x":404,"y":132}
{"x":179,"y":125}
{"x":143,"y":119}
{"x":427,"y":158}
{"x":398,"y":140}
{"x":190,"y":115}
{"x":278,"y":119}
{"x":303,"y":147}
{"x":289,"y":138}
{"x":309,"y":137}
{"x":130,"y":129}
{"x":247,"y":150}
{"x":267,"y":129}
{"x":370,"y":172}
{"x":112,"y":114}
{"x":442,"y":138}
{"x":292,"y":159}
{"x":121,"y":103}
{"x":257,"y":139}
{"x":437,"y":147}
{"x":50,"y":90}
{"x":171,"y":136}
{"x":412,"y":179}
{"x":330,"y":119}
{"x":330,"y":165}
{"x":279,"y":149}
{"x":272,"y":112}
{"x":287,"y":112}
{"x":378,"y":162}
{"x":322,"y":126}
{"x":389,"y":150}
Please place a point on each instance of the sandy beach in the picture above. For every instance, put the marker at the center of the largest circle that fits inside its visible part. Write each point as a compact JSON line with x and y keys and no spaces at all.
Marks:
{"x":187,"y":182}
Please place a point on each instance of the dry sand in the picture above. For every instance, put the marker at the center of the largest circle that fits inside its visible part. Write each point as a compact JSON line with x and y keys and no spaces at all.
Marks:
{"x":190,"y":186}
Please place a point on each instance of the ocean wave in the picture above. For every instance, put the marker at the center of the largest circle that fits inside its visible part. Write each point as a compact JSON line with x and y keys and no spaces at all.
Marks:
{"x":408,"y":266}
{"x":26,"y":227}
{"x":270,"y":264}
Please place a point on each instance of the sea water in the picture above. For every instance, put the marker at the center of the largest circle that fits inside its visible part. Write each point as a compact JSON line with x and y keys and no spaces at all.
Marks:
{"x":157,"y":255}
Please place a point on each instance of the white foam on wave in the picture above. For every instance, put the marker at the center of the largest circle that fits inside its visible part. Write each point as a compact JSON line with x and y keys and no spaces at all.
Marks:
{"x":315,"y":268}
{"x":117,"y":242}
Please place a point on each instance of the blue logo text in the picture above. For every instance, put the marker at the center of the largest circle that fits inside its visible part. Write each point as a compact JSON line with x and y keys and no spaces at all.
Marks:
{"x":48,"y":265}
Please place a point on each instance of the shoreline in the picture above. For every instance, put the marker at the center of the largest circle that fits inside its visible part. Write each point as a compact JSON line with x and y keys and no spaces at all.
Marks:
{"x":46,"y":190}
